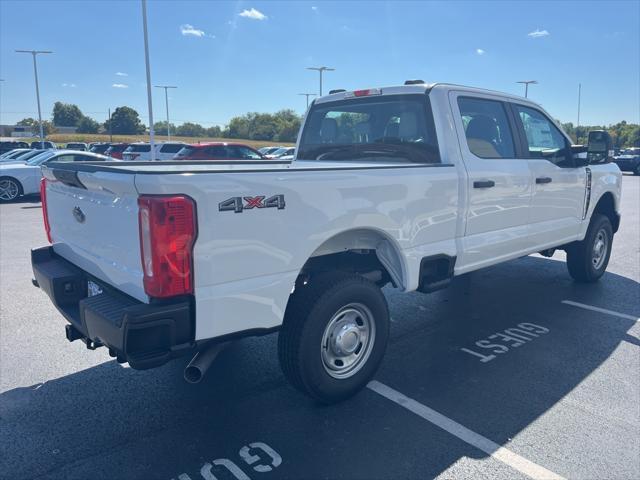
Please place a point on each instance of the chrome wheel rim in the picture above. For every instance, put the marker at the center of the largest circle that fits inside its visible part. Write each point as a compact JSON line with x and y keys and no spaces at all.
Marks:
{"x":600,"y":249}
{"x":8,"y":190}
{"x":348,"y":340}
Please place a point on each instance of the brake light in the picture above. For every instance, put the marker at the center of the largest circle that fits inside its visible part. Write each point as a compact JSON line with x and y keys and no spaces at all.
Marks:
{"x":45,"y":214}
{"x":167,"y":235}
{"x":365,"y":93}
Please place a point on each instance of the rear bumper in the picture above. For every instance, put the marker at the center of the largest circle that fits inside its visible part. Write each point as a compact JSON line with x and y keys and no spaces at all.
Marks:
{"x":145,"y":335}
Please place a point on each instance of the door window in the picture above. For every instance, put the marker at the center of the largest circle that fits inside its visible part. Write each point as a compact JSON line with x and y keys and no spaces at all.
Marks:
{"x":171,"y":147}
{"x":543,"y":137}
{"x":486,"y":128}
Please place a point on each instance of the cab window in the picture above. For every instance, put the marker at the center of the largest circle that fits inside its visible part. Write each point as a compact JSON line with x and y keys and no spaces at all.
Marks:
{"x":544,"y":139}
{"x":486,"y":128}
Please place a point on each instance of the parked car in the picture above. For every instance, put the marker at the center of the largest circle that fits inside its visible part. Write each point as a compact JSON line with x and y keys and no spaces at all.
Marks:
{"x":629,"y":160}
{"x":12,"y":145}
{"x":141,"y":152}
{"x":24,"y":178}
{"x":282,"y":151}
{"x":427,"y":183}
{"x":218,"y":151}
{"x":11,"y":154}
{"x":116,"y":150}
{"x":79,"y":146}
{"x":268,"y":150}
{"x":38,"y":145}
{"x":99,"y":148}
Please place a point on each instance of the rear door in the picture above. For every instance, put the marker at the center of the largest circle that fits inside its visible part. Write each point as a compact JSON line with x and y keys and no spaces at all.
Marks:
{"x":499,"y":184}
{"x":559,"y":187}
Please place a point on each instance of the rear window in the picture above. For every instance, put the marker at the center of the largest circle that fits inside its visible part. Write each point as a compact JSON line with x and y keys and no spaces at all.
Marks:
{"x":393,"y":128}
{"x":186,"y":151}
{"x":139,"y":148}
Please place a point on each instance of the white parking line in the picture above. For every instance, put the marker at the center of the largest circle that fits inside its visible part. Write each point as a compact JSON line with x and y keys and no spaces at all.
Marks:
{"x":502,"y":454}
{"x":601,"y":310}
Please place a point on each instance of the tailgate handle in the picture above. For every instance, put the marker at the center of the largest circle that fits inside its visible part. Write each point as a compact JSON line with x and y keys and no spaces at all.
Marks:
{"x":68,"y":177}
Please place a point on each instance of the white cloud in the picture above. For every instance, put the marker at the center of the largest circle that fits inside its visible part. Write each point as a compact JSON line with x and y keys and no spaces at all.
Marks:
{"x":70,"y":85}
{"x":120,"y":85}
{"x":253,"y":14}
{"x":538,"y":33}
{"x":122,"y":74}
{"x":479,"y":51}
{"x":314,"y":8}
{"x":190,"y":30}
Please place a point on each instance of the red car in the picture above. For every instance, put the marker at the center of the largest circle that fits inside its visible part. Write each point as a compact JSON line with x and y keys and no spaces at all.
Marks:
{"x":218,"y":151}
{"x":116,"y":149}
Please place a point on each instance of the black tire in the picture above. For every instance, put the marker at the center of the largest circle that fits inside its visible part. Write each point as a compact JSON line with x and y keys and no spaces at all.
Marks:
{"x":584,"y":264}
{"x":7,"y":183}
{"x":311,"y":310}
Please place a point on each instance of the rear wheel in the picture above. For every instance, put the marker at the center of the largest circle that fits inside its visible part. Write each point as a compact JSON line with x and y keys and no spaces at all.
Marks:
{"x":334,"y":336}
{"x":9,"y":189}
{"x":587,"y":260}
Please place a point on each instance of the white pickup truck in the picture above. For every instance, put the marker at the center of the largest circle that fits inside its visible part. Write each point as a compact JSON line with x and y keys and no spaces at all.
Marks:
{"x":409,"y":185}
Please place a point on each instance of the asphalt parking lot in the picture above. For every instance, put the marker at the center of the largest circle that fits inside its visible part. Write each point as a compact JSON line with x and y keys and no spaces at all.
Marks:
{"x":513,"y":372}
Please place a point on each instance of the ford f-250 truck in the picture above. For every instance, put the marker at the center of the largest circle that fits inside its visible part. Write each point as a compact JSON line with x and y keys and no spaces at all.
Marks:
{"x":409,"y":185}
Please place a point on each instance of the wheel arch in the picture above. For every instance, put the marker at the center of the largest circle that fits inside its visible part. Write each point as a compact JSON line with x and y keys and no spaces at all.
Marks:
{"x":606,"y":205}
{"x":360,"y":248}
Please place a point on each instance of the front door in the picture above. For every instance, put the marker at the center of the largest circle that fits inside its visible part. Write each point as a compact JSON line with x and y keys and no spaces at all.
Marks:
{"x":559,"y":187}
{"x":499,"y":184}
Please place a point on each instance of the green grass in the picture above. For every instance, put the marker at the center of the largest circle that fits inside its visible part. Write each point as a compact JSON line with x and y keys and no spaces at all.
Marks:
{"x":62,"y":139}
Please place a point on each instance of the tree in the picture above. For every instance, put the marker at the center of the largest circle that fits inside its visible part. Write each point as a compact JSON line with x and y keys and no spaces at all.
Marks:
{"x":161,"y":127}
{"x":47,"y":126}
{"x":66,"y":115}
{"x":125,"y":121}
{"x":189,"y":129}
{"x":215,"y":132}
{"x":87,"y":125}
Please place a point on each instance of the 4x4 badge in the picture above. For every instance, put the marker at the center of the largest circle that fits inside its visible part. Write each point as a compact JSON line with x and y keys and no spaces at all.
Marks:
{"x":239,"y":204}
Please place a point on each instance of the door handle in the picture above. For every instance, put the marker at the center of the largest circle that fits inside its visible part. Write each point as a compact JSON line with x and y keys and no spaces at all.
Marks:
{"x":543,"y":180}
{"x":484,"y":184}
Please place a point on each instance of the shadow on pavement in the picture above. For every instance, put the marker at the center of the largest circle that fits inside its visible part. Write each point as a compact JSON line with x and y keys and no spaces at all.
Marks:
{"x":114,"y":422}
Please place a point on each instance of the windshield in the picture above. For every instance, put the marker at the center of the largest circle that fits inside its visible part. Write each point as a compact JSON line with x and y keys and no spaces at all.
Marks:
{"x":42,"y":157}
{"x":395,"y":128}
{"x":27,"y":155}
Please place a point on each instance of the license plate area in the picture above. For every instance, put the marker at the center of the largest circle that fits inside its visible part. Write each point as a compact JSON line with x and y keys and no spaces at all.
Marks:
{"x":93,"y":289}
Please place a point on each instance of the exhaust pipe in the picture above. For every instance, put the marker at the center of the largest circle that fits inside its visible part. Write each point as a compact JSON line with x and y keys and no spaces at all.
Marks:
{"x":201,"y":362}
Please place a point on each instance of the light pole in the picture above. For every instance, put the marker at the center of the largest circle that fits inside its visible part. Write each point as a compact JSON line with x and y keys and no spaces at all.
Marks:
{"x":308,"y":95}
{"x":320,"y":71}
{"x":526,"y":86}
{"x":34,"y":53}
{"x":166,"y":102}
{"x":579,"y":94}
{"x":146,"y":59}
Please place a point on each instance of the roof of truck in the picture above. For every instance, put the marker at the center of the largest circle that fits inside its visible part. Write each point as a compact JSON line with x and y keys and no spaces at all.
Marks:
{"x":418,"y":88}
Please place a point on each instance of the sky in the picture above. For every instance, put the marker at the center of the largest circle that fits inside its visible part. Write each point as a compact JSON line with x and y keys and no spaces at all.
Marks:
{"x":229,"y":58}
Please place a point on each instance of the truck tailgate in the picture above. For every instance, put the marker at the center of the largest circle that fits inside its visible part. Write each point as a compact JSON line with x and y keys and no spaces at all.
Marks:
{"x":94,"y":225}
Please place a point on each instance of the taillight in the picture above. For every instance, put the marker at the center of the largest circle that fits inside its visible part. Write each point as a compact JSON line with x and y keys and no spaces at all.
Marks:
{"x":45,"y":215}
{"x":167,"y":235}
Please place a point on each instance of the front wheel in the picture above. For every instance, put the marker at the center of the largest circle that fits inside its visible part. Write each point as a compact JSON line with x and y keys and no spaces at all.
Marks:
{"x":587,"y":260}
{"x":334,"y":336}
{"x":9,"y":189}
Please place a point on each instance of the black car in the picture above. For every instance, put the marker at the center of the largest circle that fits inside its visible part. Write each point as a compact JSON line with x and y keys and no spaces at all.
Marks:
{"x":8,"y":146}
{"x":99,"y":148}
{"x":47,"y":144}
{"x":629,"y":160}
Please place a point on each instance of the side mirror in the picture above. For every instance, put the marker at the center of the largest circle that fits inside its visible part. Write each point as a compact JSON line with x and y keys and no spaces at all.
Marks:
{"x":599,"y":146}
